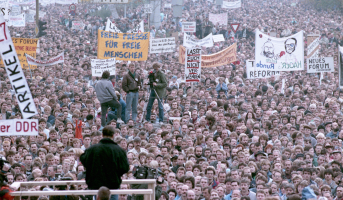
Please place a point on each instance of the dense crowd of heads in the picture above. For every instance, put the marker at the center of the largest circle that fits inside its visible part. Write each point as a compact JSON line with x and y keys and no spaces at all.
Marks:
{"x":226,"y":137}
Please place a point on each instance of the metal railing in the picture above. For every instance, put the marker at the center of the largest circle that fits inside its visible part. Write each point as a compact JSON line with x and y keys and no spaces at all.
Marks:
{"x":148,"y":193}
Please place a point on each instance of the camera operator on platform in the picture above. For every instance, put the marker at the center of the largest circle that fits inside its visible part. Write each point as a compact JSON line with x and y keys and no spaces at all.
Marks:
{"x":158,"y":84}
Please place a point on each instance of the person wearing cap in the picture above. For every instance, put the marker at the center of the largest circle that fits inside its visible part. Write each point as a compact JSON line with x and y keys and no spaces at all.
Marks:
{"x":158,"y":88}
{"x":105,"y":162}
{"x":131,"y":84}
{"x":107,"y":97}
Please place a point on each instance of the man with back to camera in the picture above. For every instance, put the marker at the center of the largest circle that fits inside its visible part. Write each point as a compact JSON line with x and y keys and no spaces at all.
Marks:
{"x":107,"y":97}
{"x":105,"y":163}
{"x":158,"y":86}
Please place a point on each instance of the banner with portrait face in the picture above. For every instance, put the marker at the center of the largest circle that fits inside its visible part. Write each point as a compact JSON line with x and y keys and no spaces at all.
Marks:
{"x":279,"y":54}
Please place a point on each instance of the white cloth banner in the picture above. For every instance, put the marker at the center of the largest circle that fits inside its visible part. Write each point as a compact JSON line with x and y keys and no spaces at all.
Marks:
{"x":279,"y":54}
{"x":65,"y":2}
{"x":17,"y":21}
{"x":221,"y":18}
{"x":232,"y":4}
{"x":15,"y":72}
{"x":316,"y":65}
{"x":162,"y":45}
{"x":340,"y":66}
{"x":53,"y":61}
{"x":193,"y":64}
{"x":190,"y":41}
{"x":19,"y":127}
{"x":254,"y":73}
{"x":110,"y":26}
{"x":218,"y":38}
{"x":101,"y":65}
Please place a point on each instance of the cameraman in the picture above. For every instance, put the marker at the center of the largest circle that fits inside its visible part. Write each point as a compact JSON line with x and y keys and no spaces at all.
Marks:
{"x":158,"y":86}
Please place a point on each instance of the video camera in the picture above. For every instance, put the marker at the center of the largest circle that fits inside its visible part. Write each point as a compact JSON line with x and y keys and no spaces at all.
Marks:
{"x":144,"y":172}
{"x":151,"y":78}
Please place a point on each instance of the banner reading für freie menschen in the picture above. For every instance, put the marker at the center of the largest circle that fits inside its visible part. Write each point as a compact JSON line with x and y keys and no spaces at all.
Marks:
{"x":123,"y":46}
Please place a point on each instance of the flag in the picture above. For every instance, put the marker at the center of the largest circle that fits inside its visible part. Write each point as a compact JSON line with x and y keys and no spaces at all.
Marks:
{"x":78,"y":129}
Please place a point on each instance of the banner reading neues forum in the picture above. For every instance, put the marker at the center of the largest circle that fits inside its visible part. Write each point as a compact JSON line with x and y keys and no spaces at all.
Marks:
{"x":123,"y":46}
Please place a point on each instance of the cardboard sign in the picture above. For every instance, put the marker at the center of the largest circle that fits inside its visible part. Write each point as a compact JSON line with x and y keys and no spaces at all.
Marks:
{"x":15,"y":72}
{"x":188,"y":27}
{"x":279,"y":54}
{"x":19,"y":127}
{"x":316,"y":65}
{"x":123,"y":46}
{"x":254,"y":73}
{"x":313,"y":46}
{"x":218,"y":38}
{"x":77,"y":25}
{"x":221,"y":18}
{"x":17,"y":21}
{"x":193,"y":64}
{"x":162,"y":45}
{"x":223,"y":57}
{"x":101,"y":65}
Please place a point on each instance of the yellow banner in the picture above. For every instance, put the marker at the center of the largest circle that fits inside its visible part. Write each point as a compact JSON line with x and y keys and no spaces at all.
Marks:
{"x":123,"y":46}
{"x":223,"y":57}
{"x":22,"y":46}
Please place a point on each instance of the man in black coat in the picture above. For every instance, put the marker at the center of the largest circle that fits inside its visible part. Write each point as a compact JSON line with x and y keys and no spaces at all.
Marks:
{"x":105,"y":163}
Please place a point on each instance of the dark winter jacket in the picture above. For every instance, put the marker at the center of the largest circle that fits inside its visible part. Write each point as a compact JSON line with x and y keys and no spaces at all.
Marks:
{"x":105,"y":163}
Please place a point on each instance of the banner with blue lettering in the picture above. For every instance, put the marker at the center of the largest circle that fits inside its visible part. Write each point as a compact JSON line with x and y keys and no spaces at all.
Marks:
{"x":279,"y":54}
{"x":123,"y":46}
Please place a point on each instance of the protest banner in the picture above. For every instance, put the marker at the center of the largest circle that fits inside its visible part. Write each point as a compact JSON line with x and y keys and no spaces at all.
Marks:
{"x":15,"y":10}
{"x":316,"y":65}
{"x":188,"y":27}
{"x":193,"y":64}
{"x":313,"y":46}
{"x":221,"y":18}
{"x":167,"y":5}
{"x":53,"y":61}
{"x":66,"y":2}
{"x":232,"y":4}
{"x":29,"y":18}
{"x":279,"y":54}
{"x":15,"y":72}
{"x":19,"y":127}
{"x":17,"y":21}
{"x":123,"y":46}
{"x":190,"y":41}
{"x":218,"y":38}
{"x":24,"y":46}
{"x":223,"y":57}
{"x":110,"y":26}
{"x":254,"y":73}
{"x":77,"y":25}
{"x":101,"y":65}
{"x":162,"y":45}
{"x":340,"y":66}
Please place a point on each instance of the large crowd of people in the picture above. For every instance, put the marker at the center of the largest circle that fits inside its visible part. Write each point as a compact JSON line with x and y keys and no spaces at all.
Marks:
{"x":226,"y":137}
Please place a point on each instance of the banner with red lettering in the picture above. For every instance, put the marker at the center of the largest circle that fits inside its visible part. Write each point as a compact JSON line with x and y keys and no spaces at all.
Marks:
{"x":53,"y":61}
{"x":19,"y":127}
